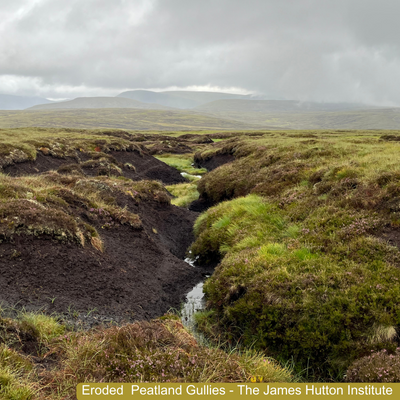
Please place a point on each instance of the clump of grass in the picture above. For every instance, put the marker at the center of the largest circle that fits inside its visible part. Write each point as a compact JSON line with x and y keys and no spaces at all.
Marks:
{"x":184,"y":193}
{"x":18,"y":377}
{"x":182,"y":162}
{"x":13,"y":386}
{"x":40,"y":326}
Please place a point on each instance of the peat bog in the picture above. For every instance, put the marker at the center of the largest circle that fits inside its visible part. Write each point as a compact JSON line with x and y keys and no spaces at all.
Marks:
{"x":300,"y":231}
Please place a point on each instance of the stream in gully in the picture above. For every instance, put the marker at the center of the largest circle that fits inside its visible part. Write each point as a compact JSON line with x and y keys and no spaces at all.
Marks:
{"x":195,"y":300}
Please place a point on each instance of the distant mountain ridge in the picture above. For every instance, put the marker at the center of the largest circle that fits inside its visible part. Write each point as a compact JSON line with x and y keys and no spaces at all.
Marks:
{"x":12,"y":102}
{"x":201,"y":110}
{"x":98,"y":102}
{"x":179,"y":98}
{"x":267,"y":106}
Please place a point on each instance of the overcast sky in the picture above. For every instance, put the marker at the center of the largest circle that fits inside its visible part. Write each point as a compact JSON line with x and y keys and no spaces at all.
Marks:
{"x":323,"y":50}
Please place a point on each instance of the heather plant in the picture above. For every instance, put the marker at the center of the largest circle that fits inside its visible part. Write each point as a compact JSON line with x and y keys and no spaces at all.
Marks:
{"x":380,"y":366}
{"x":156,"y":351}
{"x":160,"y":352}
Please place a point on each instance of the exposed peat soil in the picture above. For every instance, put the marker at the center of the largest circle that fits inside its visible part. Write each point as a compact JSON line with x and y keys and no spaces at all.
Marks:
{"x":203,"y":203}
{"x":140,"y":275}
{"x":214,"y":162}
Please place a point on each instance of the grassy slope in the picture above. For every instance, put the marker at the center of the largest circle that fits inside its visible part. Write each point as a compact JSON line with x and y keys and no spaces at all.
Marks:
{"x":119,"y":118}
{"x":304,"y":272}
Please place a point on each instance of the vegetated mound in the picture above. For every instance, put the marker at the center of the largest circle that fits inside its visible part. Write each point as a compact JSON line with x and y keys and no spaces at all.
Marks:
{"x":301,"y":232}
{"x":169,"y":146}
{"x":99,"y":102}
{"x":155,"y":351}
{"x":103,"y":245}
{"x":96,"y":158}
{"x":223,"y":152}
{"x":176,"y":145}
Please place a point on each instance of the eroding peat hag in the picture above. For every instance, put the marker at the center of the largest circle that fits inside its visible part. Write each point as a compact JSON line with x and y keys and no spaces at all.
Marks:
{"x":97,"y":243}
{"x":134,"y":163}
{"x":306,"y":235}
{"x":84,"y":228}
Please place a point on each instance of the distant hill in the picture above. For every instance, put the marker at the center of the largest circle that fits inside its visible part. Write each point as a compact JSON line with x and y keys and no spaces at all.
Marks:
{"x":179,"y":99}
{"x":120,"y":118}
{"x":267,"y":106}
{"x":307,"y":115}
{"x":99,"y":102}
{"x":388,"y":118}
{"x":11,"y":102}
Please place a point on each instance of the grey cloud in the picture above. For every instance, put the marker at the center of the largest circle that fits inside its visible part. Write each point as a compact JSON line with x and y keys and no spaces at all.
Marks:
{"x":343,"y":50}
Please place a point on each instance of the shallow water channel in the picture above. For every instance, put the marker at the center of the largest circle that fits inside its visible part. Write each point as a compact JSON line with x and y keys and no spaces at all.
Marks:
{"x":195,"y":300}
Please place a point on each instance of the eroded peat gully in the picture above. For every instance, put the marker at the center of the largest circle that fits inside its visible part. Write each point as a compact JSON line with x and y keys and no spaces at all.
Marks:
{"x":136,"y":272}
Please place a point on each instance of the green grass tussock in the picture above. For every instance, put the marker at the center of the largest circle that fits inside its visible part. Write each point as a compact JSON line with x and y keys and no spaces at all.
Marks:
{"x":184,"y":194}
{"x":183,"y":163}
{"x":19,"y":379}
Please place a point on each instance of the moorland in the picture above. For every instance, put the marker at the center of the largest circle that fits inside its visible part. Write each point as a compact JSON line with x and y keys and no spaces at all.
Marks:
{"x":192,"y":110}
{"x":298,"y":229}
